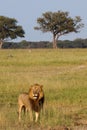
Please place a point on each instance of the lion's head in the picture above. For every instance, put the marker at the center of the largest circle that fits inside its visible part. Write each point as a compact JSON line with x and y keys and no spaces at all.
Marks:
{"x":36,"y":92}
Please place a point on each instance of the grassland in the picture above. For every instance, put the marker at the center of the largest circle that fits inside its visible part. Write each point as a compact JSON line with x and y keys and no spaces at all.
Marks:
{"x":62,"y":72}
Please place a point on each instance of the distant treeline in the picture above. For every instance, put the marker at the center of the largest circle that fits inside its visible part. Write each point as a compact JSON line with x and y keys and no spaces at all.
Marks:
{"x":77,"y":43}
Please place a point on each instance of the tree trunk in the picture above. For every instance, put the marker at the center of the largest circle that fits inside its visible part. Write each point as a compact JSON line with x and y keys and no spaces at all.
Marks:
{"x":1,"y":43}
{"x":54,"y":41}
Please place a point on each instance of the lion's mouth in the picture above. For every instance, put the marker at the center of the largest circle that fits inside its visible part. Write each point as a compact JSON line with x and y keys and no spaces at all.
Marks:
{"x":35,"y":96}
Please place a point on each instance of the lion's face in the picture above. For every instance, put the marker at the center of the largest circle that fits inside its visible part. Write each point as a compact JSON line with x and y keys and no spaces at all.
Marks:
{"x":35,"y":92}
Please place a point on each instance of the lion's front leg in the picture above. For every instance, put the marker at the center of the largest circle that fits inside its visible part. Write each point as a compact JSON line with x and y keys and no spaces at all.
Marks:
{"x":37,"y":115}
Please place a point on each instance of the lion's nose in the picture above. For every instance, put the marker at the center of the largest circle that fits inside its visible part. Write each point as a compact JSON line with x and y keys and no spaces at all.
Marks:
{"x":35,"y":96}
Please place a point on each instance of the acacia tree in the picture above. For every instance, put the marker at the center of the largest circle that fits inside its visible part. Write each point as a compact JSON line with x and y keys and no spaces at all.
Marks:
{"x":9,"y":29}
{"x":58,"y":23}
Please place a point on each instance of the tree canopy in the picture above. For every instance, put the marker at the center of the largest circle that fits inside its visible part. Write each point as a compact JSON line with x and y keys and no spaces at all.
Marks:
{"x":9,"y":29}
{"x":58,"y":23}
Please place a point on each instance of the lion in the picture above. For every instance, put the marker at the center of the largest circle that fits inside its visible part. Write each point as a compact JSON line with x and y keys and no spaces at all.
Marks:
{"x":31,"y":101}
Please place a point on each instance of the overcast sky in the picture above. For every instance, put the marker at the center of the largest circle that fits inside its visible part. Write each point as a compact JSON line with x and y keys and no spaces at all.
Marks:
{"x":26,"y":13}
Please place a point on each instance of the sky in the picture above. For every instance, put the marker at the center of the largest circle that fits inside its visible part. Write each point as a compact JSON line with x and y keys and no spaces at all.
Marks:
{"x":26,"y":13}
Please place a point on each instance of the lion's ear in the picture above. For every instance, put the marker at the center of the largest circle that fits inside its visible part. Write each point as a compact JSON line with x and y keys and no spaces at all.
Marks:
{"x":30,"y":88}
{"x":41,"y":86}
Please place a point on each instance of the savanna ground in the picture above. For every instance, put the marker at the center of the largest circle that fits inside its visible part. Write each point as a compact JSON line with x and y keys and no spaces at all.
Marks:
{"x":62,"y":72}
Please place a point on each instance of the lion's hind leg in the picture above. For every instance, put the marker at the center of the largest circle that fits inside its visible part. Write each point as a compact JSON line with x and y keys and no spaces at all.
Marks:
{"x":19,"y":112}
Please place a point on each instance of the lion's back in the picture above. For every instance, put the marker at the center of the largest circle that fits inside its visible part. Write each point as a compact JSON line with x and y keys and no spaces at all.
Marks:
{"x":23,"y":99}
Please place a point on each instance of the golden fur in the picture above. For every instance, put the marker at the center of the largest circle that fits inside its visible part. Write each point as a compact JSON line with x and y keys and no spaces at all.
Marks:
{"x":31,"y":101}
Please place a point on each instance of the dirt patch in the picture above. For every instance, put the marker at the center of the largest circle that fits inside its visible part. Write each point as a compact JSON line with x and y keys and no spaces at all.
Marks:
{"x":49,"y":128}
{"x":82,"y":127}
{"x":60,"y":128}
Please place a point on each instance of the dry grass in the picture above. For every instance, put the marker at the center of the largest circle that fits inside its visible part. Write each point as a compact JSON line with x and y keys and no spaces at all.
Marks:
{"x":64,"y":76}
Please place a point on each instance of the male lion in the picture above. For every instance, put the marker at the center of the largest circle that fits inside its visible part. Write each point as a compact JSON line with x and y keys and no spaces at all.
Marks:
{"x":31,"y":101}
